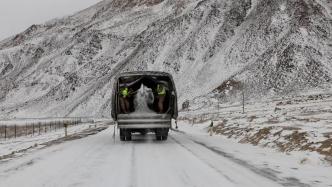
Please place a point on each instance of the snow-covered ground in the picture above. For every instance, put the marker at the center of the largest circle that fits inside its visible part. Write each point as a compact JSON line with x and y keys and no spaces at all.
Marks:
{"x":304,"y":168}
{"x":18,"y":145}
{"x":301,"y":123}
{"x":189,"y":158}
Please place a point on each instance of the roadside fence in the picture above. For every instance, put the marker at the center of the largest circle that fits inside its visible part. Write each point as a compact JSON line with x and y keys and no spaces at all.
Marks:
{"x":34,"y":128}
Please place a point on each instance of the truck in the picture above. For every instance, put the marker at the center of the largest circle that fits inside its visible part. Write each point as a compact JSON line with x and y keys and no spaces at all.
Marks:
{"x":144,"y":102}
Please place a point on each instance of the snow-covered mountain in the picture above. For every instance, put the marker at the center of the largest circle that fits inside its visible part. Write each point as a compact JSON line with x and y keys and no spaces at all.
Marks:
{"x":65,"y":66}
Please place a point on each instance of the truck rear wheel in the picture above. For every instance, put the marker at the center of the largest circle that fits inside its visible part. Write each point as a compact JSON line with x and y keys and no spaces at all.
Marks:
{"x":164,"y":137}
{"x":161,"y":134}
{"x":125,"y":135}
{"x":158,"y":137}
{"x":122,"y":138}
{"x":128,"y":137}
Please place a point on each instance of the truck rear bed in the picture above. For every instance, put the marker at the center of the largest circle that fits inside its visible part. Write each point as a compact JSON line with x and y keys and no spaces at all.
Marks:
{"x":144,"y":121}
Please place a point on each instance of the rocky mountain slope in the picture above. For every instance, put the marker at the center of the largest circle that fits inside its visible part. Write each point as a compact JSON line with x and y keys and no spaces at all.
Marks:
{"x":65,"y":66}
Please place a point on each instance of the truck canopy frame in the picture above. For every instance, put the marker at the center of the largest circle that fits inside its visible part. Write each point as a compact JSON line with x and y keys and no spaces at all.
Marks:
{"x":150,"y":79}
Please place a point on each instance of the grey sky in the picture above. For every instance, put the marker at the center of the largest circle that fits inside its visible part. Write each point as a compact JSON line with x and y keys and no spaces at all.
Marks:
{"x":17,"y":15}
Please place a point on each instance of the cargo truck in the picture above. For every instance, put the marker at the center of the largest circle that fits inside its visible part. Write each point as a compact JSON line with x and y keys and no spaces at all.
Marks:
{"x":144,"y":102}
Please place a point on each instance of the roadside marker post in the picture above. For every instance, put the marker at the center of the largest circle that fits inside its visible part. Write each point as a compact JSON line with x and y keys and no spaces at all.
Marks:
{"x":211,"y":128}
{"x":66,"y":126}
{"x":39,"y":126}
{"x":243,"y":101}
{"x":114,"y":129}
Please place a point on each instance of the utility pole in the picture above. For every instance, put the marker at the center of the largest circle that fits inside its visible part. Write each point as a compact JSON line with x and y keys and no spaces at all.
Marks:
{"x":243,"y":90}
{"x":243,"y":102}
{"x":218,"y":102}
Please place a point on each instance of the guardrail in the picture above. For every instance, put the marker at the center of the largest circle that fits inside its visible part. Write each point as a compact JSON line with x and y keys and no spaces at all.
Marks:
{"x":34,"y":128}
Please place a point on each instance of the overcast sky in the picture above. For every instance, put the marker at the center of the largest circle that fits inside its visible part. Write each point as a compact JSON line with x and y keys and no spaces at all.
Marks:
{"x":17,"y":15}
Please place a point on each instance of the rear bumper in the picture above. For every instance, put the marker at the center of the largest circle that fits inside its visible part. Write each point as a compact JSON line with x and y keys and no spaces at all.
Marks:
{"x":144,"y":122}
{"x":144,"y":126}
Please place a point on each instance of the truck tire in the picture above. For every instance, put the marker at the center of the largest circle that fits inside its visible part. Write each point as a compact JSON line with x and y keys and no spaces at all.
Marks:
{"x":122,"y":135}
{"x":128,"y":136}
{"x":164,"y":137}
{"x":162,"y":134}
{"x":125,"y":135}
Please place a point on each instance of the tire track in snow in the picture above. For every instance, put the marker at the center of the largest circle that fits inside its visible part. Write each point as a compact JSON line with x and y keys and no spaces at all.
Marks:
{"x":209,"y":165}
{"x":266,"y":173}
{"x":262,"y":172}
{"x":133,"y":180}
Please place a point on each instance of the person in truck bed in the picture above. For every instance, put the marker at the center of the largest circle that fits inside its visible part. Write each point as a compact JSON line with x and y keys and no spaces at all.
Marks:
{"x":124,"y":99}
{"x":161,"y":94}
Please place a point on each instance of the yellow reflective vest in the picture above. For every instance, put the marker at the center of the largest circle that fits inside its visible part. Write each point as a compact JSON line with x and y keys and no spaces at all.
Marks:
{"x":124,"y":92}
{"x":161,"y":90}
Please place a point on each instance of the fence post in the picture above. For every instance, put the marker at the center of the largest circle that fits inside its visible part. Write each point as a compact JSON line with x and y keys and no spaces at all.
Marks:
{"x":65,"y":125}
{"x":39,"y":126}
{"x":33,"y":129}
{"x":5,"y":132}
{"x":26,"y":129}
{"x":15,"y":130}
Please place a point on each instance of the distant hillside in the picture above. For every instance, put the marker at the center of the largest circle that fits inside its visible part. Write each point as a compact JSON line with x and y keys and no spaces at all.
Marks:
{"x":65,"y":66}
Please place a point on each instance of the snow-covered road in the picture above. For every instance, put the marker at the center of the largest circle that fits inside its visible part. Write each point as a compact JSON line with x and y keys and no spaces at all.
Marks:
{"x":99,"y":160}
